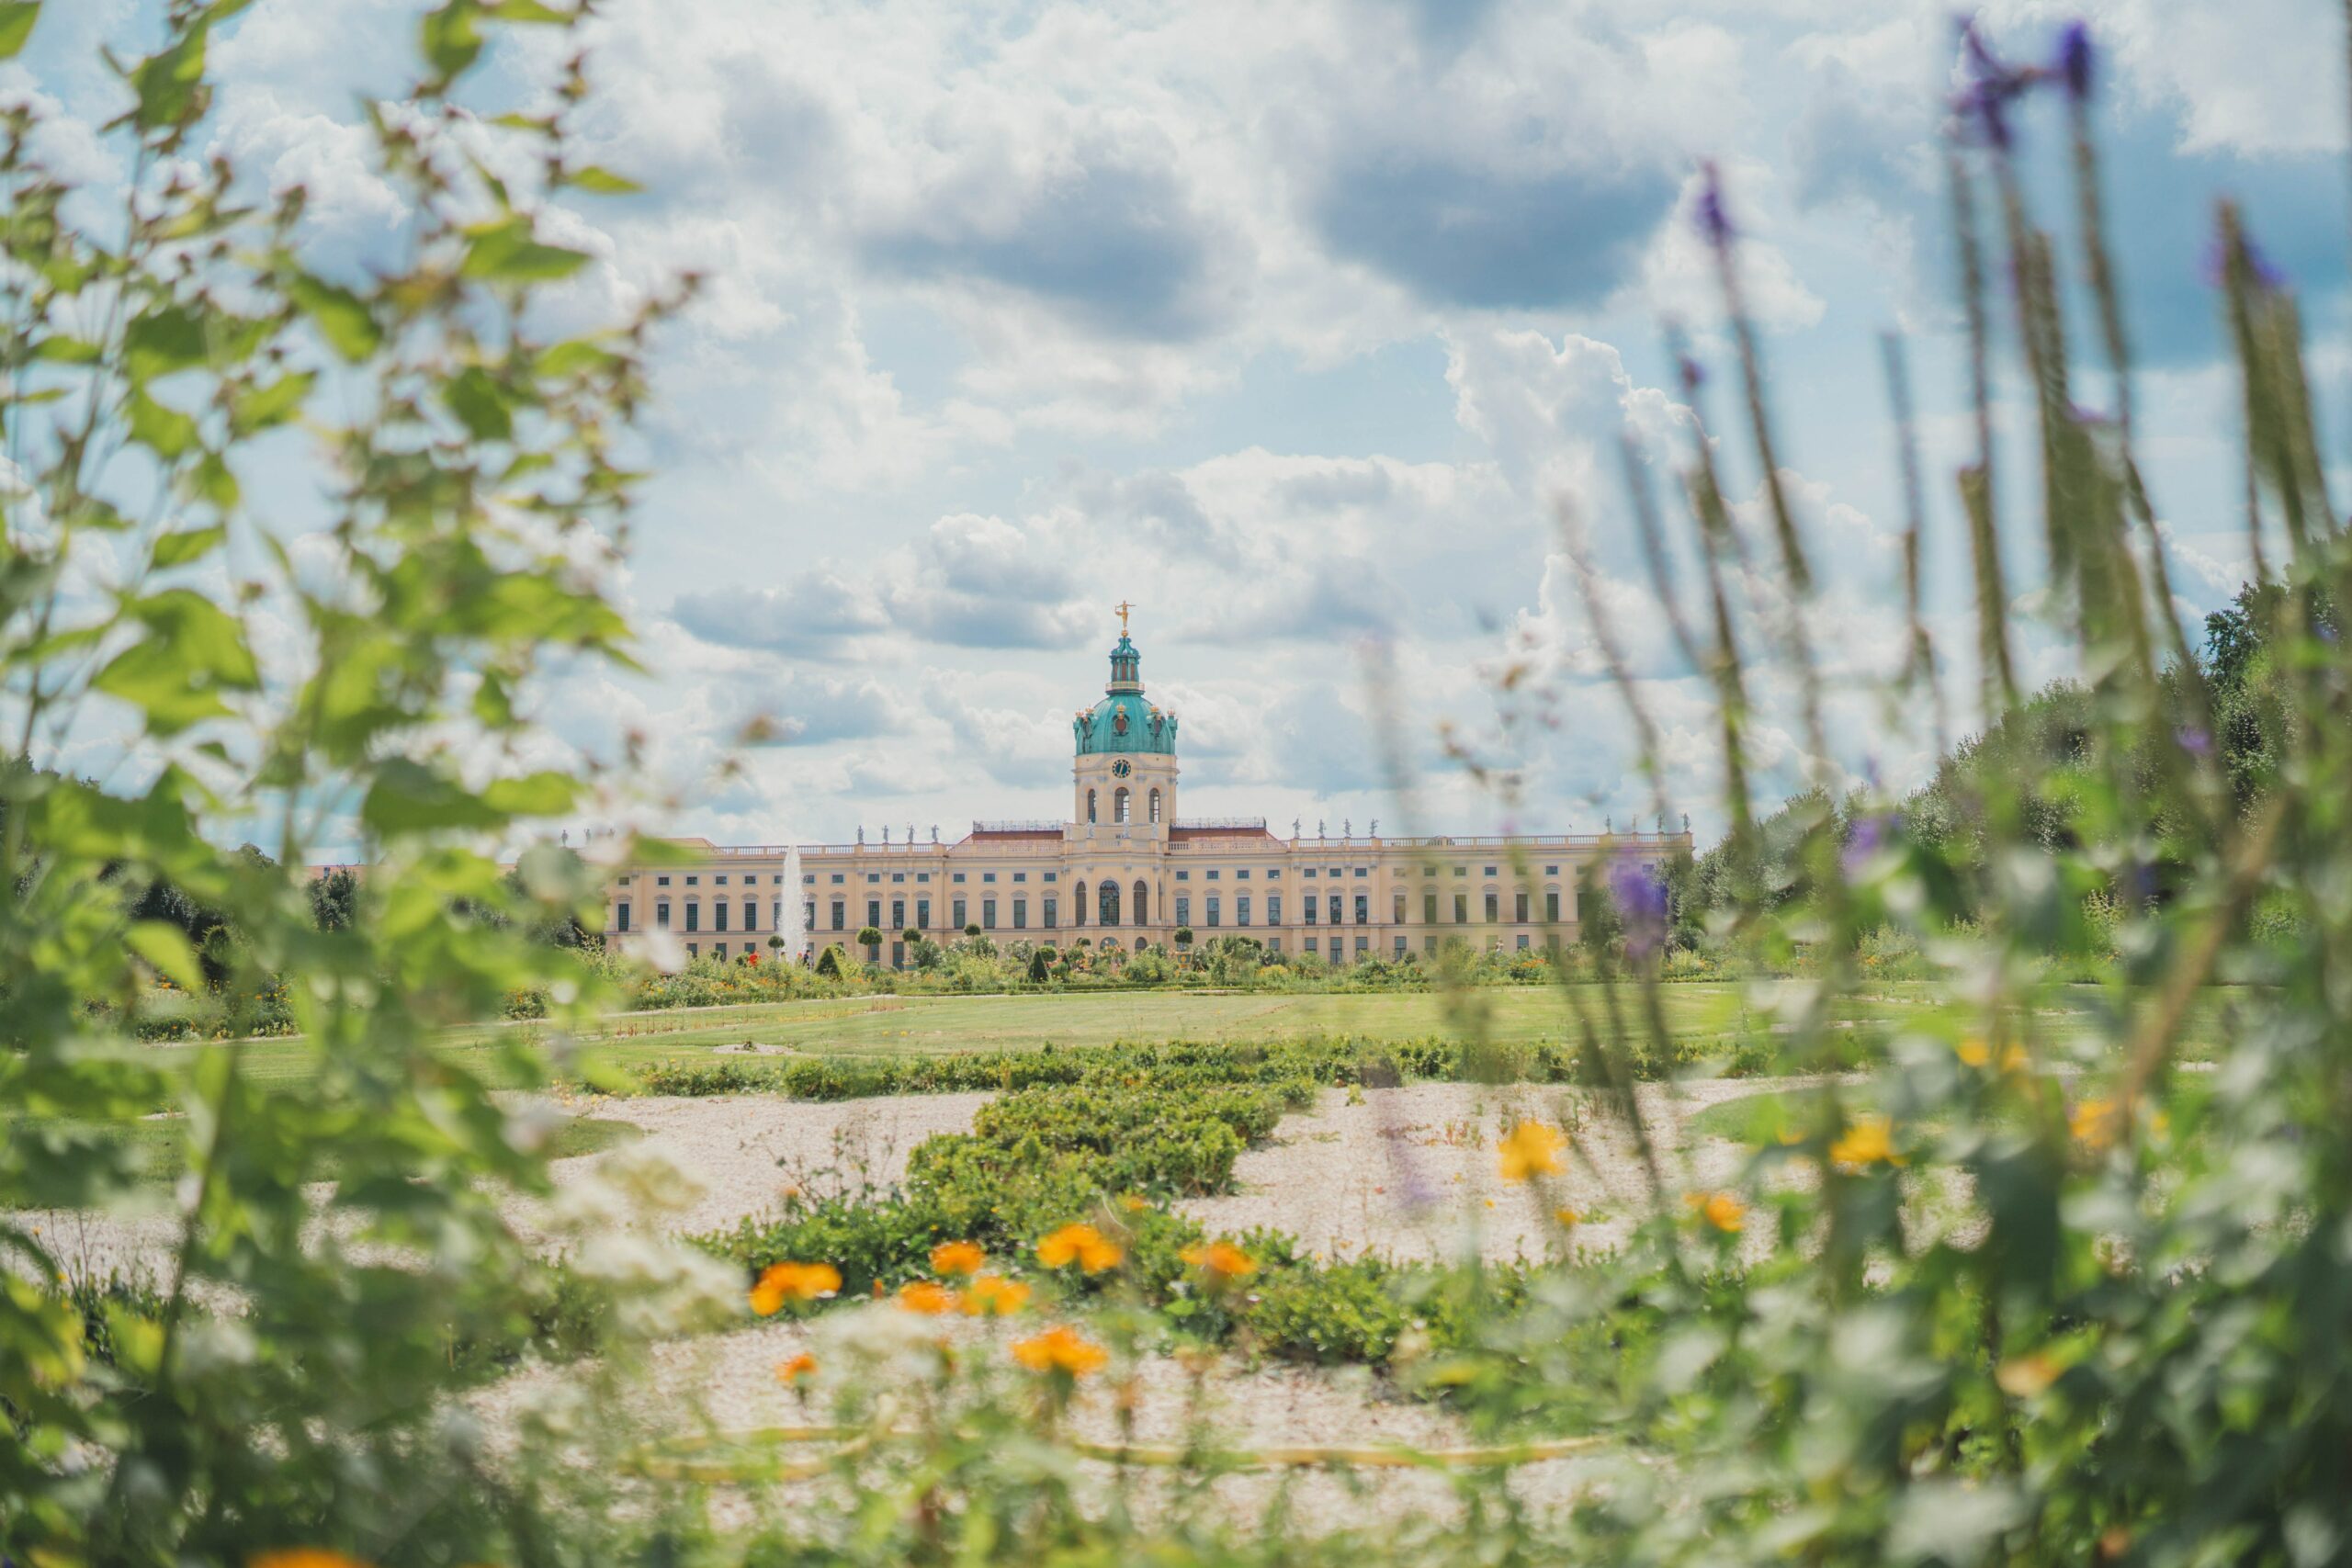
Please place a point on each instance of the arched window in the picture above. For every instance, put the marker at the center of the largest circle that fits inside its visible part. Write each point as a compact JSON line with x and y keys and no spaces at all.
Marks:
{"x":1119,"y":805}
{"x":1143,"y":905}
{"x":1078,"y":903}
{"x":1107,"y":895}
{"x":1090,"y":806}
{"x":1155,"y":805}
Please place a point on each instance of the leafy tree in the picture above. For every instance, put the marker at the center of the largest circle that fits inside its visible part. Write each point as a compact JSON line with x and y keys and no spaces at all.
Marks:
{"x":335,"y":896}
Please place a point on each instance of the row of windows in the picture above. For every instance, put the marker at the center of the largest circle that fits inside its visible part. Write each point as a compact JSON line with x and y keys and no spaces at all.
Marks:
{"x":1313,"y":910}
{"x":1122,"y":805}
{"x":751,"y":879}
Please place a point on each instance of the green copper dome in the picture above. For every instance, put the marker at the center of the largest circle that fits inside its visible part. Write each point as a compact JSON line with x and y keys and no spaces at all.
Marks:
{"x":1122,"y":720}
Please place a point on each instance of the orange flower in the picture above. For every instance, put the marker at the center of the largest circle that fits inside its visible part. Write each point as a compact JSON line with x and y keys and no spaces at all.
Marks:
{"x":804,"y":1365}
{"x":783,"y":1282}
{"x":1532,"y":1149}
{"x":1083,"y":1244}
{"x":931,"y":1300}
{"x":1567,"y":1217}
{"x":1867,"y":1141}
{"x":1221,"y":1260}
{"x":1977,"y":1053}
{"x":991,"y":1295}
{"x":302,"y":1557}
{"x":1135,"y":1202}
{"x":1060,"y":1349}
{"x":2094,"y":1124}
{"x":1721,"y":1210}
{"x":957,"y":1257}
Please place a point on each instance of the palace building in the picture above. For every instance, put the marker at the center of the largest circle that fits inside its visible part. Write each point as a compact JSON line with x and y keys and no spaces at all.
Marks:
{"x":1124,"y":869}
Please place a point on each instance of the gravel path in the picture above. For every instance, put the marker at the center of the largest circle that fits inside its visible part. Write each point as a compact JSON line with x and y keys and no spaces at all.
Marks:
{"x":1414,"y":1172}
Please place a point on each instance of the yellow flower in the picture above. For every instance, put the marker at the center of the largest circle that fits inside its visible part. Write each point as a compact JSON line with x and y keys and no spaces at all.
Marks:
{"x":1721,"y":1210}
{"x":804,"y":1365}
{"x":991,"y":1295}
{"x":923,"y":1296}
{"x":1532,"y":1149}
{"x":1221,"y":1260}
{"x":1060,"y":1349}
{"x":957,"y":1257}
{"x":1135,"y":1204}
{"x":2022,"y":1377}
{"x":1567,"y":1217}
{"x":1867,"y":1141}
{"x":2094,"y":1124}
{"x":785,"y":1282}
{"x":1083,"y":1244}
{"x":302,"y":1557}
{"x":1976,"y":1053}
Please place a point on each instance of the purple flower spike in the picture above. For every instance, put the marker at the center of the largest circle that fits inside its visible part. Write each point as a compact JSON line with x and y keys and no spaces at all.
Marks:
{"x":1714,"y":225}
{"x":1992,"y":85}
{"x":1866,"y":838}
{"x":2216,"y":267}
{"x":2075,"y":60}
{"x":1694,"y":375}
{"x":2194,"y":741}
{"x":1640,"y":897}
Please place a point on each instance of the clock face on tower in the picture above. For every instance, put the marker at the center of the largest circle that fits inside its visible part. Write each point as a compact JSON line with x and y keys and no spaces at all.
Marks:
{"x":1122,"y":768}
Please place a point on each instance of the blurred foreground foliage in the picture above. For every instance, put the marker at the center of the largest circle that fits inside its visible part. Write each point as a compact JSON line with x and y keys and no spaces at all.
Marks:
{"x":2022,"y":1297}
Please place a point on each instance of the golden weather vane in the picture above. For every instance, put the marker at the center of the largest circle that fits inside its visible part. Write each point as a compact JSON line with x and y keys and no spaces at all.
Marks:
{"x":1123,"y":608}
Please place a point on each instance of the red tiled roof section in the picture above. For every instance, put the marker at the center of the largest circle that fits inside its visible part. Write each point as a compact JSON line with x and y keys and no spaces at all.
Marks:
{"x":1178,"y":835}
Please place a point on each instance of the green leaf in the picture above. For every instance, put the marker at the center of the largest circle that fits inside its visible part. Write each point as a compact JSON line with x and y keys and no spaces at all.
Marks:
{"x":162,"y":341}
{"x":258,"y":408}
{"x":67,"y":351}
{"x":601,"y":181}
{"x":341,"y":316}
{"x":188,"y":544}
{"x":526,"y":11}
{"x":410,"y":798}
{"x":192,"y":652}
{"x":535,"y":795}
{"x":168,"y":83}
{"x":214,"y":481}
{"x":504,"y":252}
{"x":167,"y":951}
{"x":451,"y":37}
{"x":481,"y":405}
{"x":164,"y":431}
{"x":17,"y":20}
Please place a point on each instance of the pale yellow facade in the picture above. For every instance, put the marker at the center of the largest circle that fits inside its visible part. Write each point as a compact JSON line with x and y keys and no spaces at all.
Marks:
{"x":1125,"y":868}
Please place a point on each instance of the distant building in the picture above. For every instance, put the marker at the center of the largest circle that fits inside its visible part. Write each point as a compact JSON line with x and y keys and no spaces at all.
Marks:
{"x":1125,"y":870}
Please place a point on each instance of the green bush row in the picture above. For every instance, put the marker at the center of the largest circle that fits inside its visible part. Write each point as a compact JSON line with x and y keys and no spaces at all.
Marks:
{"x":1336,"y":1062}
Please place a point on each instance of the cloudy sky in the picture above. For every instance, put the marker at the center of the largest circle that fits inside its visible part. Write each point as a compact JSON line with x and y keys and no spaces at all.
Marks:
{"x":1292,"y":324}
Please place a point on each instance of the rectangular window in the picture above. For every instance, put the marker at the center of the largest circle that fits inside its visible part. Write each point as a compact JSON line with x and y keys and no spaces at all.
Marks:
{"x":1523,"y":941}
{"x":620,"y":915}
{"x":898,"y":914}
{"x":721,"y":882}
{"x":1183,"y":909}
{"x":1551,"y":870}
{"x":1399,"y":906}
{"x":1519,"y":907}
{"x":1334,"y":908}
{"x":1021,"y":914}
{"x":988,"y":914}
{"x":874,"y":913}
{"x":922,"y":914}
{"x":840,"y":915}
{"x":898,"y":877}
{"x":837,"y":879}
{"x":872,"y":876}
{"x":1312,"y":945}
{"x":1020,"y":877}
{"x":1364,"y":945}
{"x":961,"y":919}
{"x":692,"y":880}
{"x":1275,"y":875}
{"x":1461,"y":909}
{"x":1363,"y":910}
{"x":1552,"y":905}
{"x":959,"y":876}
{"x":1240,"y":877}
{"x":1049,"y":878}
{"x":1494,"y":907}
{"x":1273,"y":909}
{"x":1490,"y":871}
{"x":987,"y":876}
{"x":720,"y":950}
{"x":1363,"y":870}
{"x":922,"y":876}
{"x":694,"y":915}
{"x":1428,"y":908}
{"x":1275,"y":945}
{"x":1183,"y":876}
{"x":694,"y":950}
{"x":1214,"y":912}
{"x":1308,"y":874}
{"x":1400,"y":944}
{"x":809,"y":916}
{"x":719,"y":916}
{"x":1310,"y":908}
{"x":1213,"y":876}
{"x":661,"y":882}
{"x":1053,"y":913}
{"x":1241,"y":910}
